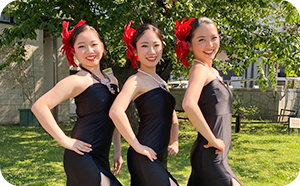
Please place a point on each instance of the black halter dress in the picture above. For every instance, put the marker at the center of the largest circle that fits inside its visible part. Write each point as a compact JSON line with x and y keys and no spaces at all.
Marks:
{"x":95,"y":127}
{"x":155,"y":109}
{"x":209,"y":169}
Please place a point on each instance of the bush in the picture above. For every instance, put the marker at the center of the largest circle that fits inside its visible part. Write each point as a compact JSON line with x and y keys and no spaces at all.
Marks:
{"x":238,"y":108}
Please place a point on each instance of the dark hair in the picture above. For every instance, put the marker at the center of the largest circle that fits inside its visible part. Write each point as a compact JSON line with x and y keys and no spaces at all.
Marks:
{"x":78,"y":30}
{"x":140,"y":30}
{"x":198,"y":22}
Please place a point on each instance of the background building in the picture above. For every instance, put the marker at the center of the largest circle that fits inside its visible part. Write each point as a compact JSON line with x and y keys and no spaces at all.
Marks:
{"x":21,"y":84}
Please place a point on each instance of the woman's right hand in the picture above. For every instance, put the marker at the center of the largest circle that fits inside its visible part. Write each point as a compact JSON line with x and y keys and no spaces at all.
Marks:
{"x":218,"y":144}
{"x":147,"y":151}
{"x":76,"y":145}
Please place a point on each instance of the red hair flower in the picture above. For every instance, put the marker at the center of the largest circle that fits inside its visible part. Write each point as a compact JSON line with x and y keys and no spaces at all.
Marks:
{"x":66,"y":40}
{"x":127,"y":38}
{"x":182,"y":30}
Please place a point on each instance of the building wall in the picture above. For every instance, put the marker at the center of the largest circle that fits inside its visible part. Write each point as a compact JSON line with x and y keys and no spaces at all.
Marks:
{"x":62,"y":72}
{"x":267,"y":102}
{"x":290,"y":99}
{"x":21,"y":84}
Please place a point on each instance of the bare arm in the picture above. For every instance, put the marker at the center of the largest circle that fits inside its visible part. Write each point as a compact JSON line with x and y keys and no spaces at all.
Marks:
{"x":118,"y":160}
{"x":120,"y":119}
{"x":41,"y":109}
{"x":173,"y":147}
{"x":116,"y":139}
{"x":197,"y":79}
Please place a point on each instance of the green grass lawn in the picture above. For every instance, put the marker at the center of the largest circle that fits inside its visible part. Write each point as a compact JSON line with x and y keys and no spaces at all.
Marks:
{"x":261,"y":154}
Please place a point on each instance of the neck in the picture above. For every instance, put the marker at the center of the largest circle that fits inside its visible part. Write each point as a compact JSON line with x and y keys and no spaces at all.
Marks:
{"x":151,"y":71}
{"x":208,"y":63}
{"x":95,"y":69}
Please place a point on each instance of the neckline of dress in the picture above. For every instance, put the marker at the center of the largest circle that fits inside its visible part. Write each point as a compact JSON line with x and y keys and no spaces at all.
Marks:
{"x":105,"y":81}
{"x":160,"y":83}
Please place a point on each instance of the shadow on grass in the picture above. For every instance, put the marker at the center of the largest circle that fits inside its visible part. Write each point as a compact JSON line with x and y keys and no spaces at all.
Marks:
{"x":264,"y":154}
{"x":260,"y":155}
{"x":29,"y":156}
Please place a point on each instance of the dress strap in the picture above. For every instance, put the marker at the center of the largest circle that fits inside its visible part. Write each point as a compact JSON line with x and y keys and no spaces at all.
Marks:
{"x":160,"y":83}
{"x":200,"y":62}
{"x":210,"y":68}
{"x":105,"y":81}
{"x":94,"y":76}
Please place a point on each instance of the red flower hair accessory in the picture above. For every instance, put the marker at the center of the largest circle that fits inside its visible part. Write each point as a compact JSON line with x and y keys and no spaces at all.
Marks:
{"x":127,"y":38}
{"x":182,"y":30}
{"x":67,"y":45}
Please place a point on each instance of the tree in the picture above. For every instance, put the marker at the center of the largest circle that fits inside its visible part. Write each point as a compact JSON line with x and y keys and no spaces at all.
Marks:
{"x":248,"y":30}
{"x":247,"y":33}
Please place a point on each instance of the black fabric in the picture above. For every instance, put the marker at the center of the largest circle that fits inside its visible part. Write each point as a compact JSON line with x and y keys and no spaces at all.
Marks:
{"x":155,"y":109}
{"x":95,"y":127}
{"x":209,"y":169}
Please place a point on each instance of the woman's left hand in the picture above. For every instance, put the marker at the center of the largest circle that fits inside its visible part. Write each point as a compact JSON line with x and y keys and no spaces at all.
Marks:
{"x":173,"y":149}
{"x":118,"y":161}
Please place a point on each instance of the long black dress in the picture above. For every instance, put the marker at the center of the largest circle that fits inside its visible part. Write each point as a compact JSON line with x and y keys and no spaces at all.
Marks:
{"x":155,"y":109}
{"x":209,"y":169}
{"x":95,"y":127}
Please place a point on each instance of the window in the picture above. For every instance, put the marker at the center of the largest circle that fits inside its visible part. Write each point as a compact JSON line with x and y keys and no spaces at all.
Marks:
{"x":5,"y":18}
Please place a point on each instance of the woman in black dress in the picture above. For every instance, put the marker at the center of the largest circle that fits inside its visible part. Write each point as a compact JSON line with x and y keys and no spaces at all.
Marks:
{"x":86,"y":158}
{"x":207,"y":103}
{"x":147,"y":156}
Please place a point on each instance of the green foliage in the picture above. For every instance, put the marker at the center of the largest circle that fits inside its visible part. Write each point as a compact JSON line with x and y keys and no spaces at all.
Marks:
{"x":247,"y":33}
{"x":293,"y":84}
{"x":238,"y":108}
{"x":7,"y":57}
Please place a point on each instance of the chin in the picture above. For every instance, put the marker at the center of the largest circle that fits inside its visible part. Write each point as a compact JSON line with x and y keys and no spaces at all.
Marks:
{"x":210,"y":58}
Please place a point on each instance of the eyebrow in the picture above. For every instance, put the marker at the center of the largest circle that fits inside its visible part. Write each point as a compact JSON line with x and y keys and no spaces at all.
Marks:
{"x":80,"y":43}
{"x":84,"y":42}
{"x":145,"y":42}
{"x":205,"y":36}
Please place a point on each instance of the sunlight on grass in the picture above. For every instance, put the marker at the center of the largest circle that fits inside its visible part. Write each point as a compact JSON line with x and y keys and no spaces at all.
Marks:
{"x":261,"y":154}
{"x":265,"y":154}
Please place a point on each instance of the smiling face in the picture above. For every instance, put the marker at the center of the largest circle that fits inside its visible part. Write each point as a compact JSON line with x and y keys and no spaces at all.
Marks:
{"x":149,"y":49}
{"x":205,"y":42}
{"x":88,"y":48}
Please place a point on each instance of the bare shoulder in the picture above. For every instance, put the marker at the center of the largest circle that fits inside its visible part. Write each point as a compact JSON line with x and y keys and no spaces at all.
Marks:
{"x":216,"y":71}
{"x":129,"y":90}
{"x":77,"y":79}
{"x":70,"y":80}
{"x":63,"y":89}
{"x":132,"y":81}
{"x":199,"y":71}
{"x":141,"y":81}
{"x":75,"y":83}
